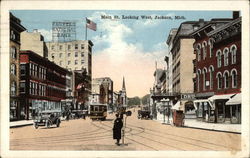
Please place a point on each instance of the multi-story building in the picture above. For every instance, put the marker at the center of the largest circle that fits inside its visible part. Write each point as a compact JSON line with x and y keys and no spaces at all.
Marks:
{"x":169,"y":75}
{"x":218,"y":68}
{"x":182,"y":61}
{"x":102,"y":91}
{"x":42,"y":83}
{"x":34,"y":41}
{"x":74,"y":56}
{"x":16,"y":110}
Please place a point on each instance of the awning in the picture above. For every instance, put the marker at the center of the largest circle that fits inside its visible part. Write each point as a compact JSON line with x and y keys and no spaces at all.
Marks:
{"x":177,"y":106}
{"x":202,"y":101}
{"x":236,"y":100}
{"x":221,"y":97}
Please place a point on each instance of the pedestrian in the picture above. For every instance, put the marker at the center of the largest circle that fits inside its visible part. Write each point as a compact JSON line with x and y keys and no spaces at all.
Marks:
{"x":118,"y":124}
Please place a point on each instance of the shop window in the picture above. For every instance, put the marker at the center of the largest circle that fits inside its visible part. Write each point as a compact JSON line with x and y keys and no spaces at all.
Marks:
{"x":13,"y":89}
{"x":13,"y":69}
{"x":13,"y":52}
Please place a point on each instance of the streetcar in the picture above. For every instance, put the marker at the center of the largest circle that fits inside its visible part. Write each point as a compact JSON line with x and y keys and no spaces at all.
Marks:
{"x":98,"y":111}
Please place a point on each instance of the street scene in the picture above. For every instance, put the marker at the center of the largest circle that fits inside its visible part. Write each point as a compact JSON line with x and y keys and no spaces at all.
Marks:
{"x":80,"y":134}
{"x":125,"y":80}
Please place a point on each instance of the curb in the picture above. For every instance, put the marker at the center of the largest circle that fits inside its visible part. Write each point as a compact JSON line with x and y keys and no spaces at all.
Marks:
{"x":215,"y":130}
{"x":15,"y":126}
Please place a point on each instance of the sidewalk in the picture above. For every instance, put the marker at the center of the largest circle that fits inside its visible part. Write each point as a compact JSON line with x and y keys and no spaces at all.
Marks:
{"x":193,"y":123}
{"x":14,"y":124}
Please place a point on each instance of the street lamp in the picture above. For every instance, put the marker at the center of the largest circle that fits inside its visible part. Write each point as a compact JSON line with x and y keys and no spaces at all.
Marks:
{"x":165,"y":103}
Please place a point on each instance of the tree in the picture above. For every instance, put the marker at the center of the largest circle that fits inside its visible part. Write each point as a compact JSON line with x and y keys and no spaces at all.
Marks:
{"x":134,"y":101}
{"x":145,"y":99}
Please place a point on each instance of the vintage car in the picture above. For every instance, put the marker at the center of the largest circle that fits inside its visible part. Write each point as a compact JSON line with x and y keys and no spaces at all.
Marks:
{"x":144,"y":112}
{"x":47,"y":119}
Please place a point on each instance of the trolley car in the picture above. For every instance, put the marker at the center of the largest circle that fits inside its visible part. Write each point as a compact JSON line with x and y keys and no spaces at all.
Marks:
{"x":98,"y":111}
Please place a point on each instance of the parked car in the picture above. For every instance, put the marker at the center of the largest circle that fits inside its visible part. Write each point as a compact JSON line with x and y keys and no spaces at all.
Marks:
{"x":47,"y":119}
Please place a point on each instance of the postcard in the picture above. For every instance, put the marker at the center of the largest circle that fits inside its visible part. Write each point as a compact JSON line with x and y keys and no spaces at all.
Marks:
{"x":124,"y":79}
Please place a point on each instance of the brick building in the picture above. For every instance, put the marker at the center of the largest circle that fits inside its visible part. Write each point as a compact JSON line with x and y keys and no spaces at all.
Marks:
{"x":42,"y":83}
{"x":16,"y":110}
{"x":218,"y":70}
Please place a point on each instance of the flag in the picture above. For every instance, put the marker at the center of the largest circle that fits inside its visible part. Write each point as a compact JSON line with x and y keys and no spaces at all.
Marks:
{"x":90,"y":24}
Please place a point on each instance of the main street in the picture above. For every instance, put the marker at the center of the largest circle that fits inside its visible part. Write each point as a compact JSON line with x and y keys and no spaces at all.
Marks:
{"x":144,"y":135}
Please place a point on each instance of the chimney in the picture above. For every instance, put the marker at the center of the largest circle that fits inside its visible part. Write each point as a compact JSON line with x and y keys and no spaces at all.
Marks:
{"x":35,"y":30}
{"x":236,"y":14}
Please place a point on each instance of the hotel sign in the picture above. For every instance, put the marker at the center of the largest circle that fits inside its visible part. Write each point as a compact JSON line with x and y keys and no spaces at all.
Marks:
{"x":63,"y":31}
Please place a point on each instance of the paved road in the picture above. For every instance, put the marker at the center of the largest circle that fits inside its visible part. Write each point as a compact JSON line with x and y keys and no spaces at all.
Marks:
{"x":140,"y":135}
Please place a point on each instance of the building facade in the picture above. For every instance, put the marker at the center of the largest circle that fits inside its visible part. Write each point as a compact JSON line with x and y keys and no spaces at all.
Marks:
{"x":16,"y":109}
{"x":34,"y":41}
{"x":42,"y":84}
{"x":218,"y":68}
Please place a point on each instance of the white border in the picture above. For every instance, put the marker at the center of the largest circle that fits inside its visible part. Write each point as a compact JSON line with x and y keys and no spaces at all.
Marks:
{"x":7,"y":5}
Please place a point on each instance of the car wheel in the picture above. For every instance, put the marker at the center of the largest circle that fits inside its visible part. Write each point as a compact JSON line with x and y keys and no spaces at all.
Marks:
{"x":47,"y":124}
{"x":58,"y":123}
{"x":35,"y":125}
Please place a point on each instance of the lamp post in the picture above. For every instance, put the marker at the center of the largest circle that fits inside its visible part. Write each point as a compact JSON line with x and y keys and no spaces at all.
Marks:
{"x":165,"y":103}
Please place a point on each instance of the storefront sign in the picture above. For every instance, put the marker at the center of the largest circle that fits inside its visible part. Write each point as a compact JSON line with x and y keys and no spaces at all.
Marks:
{"x":187,"y":96}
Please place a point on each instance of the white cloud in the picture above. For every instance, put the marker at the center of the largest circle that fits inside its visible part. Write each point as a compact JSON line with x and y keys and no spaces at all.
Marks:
{"x":125,"y":59}
{"x":46,"y":34}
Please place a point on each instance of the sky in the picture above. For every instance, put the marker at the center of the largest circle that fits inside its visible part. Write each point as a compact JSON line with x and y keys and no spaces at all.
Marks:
{"x":123,"y":47}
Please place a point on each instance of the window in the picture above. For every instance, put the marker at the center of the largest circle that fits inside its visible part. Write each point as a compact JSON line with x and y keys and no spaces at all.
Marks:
{"x":233,"y":51}
{"x":12,"y":35}
{"x":68,"y":54}
{"x":225,"y":52}
{"x":53,"y":47}
{"x":69,"y":47}
{"x":211,"y":70}
{"x":60,"y":55}
{"x":234,"y":78}
{"x":82,"y":46}
{"x":22,"y":69}
{"x":226,"y":79}
{"x":13,"y":52}
{"x":60,"y":63}
{"x":204,"y":49}
{"x":76,"y":54}
{"x":198,"y":80}
{"x":13,"y":89}
{"x":219,"y":80}
{"x":198,"y":52}
{"x":60,"y":47}
{"x":204,"y":78}
{"x":22,"y":87}
{"x":218,"y":54}
{"x":13,"y":69}
{"x":76,"y":46}
{"x":69,"y":62}
{"x":82,"y":54}
{"x":76,"y":62}
{"x":82,"y":61}
{"x":210,"y":43}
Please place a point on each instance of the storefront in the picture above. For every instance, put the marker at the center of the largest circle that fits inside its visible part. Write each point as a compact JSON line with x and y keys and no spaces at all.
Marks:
{"x":204,"y":110}
{"x":222,"y":112}
{"x":234,"y":105}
